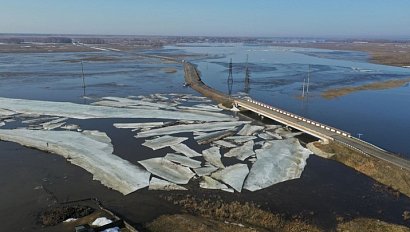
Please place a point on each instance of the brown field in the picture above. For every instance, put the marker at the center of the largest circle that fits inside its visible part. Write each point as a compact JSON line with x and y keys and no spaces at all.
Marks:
{"x":388,"y":53}
{"x":390,"y":84}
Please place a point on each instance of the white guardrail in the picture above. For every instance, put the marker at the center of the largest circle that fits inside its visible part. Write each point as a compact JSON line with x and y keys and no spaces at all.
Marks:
{"x":317,"y":124}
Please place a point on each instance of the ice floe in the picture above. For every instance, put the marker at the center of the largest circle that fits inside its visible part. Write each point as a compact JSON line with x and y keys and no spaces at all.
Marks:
{"x":90,"y":150}
{"x":233,"y":175}
{"x":277,"y":161}
{"x":209,"y":126}
{"x":81,"y":111}
{"x":223,"y":143}
{"x":168,"y":170}
{"x":241,"y":138}
{"x":164,"y":141}
{"x":138,"y":125}
{"x":213,"y":156}
{"x":242,"y":152}
{"x":185,"y":150}
{"x":183,"y":160}
{"x":206,"y":170}
{"x":217,"y":135}
{"x":210,"y":183}
{"x":249,"y":129}
{"x":158,"y":184}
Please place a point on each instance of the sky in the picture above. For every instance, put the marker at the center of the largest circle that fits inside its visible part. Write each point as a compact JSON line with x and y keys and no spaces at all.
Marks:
{"x":267,"y":18}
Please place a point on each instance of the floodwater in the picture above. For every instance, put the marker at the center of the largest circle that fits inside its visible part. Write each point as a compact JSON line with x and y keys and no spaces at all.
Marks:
{"x":32,"y":180}
{"x":277,"y":74}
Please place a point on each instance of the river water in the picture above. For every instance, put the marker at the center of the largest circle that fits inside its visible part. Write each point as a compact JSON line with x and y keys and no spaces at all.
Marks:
{"x":277,"y":74}
{"x":326,"y":189}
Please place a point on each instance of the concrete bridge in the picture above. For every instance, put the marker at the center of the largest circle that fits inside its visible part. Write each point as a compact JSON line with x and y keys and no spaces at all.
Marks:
{"x":321,"y":131}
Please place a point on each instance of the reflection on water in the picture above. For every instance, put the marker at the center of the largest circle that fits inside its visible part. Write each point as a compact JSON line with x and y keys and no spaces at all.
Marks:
{"x":277,"y":79}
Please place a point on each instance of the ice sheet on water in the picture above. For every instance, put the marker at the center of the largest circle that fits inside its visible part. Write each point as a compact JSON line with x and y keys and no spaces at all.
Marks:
{"x":139,"y":102}
{"x":167,"y":170}
{"x":210,"y":183}
{"x":242,"y":152}
{"x":213,"y":156}
{"x":138,"y":125}
{"x":224,"y":144}
{"x":233,"y":175}
{"x":241,"y":138}
{"x":158,"y":184}
{"x":210,"y":137}
{"x":277,"y":161}
{"x":183,"y":160}
{"x":6,"y":112}
{"x":206,"y":170}
{"x":80,"y":111}
{"x":164,"y":141}
{"x":185,"y":150}
{"x":250,"y":129}
{"x":90,"y":150}
{"x":209,"y":126}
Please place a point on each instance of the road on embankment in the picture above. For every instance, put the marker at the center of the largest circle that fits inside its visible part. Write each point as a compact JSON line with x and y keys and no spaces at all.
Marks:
{"x":319,"y":130}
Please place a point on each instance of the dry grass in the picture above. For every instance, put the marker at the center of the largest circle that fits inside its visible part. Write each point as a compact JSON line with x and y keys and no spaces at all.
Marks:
{"x":390,"y":84}
{"x":382,"y":171}
{"x":188,"y":223}
{"x":365,"y":224}
{"x":246,"y":213}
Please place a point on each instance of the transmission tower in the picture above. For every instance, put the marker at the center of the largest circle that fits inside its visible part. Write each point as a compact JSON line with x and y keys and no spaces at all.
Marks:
{"x":247,"y":76}
{"x":230,"y":78}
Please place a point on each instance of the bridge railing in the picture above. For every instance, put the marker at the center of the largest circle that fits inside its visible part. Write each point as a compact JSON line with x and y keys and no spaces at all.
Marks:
{"x":312,"y":122}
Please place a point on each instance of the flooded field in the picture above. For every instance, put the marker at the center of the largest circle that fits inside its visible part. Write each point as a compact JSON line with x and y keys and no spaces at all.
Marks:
{"x":325,"y":194}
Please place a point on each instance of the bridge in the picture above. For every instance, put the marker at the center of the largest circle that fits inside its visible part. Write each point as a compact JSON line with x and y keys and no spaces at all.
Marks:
{"x":311,"y":127}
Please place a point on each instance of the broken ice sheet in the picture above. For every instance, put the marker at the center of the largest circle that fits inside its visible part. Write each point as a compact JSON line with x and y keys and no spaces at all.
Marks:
{"x":209,"y":137}
{"x":80,"y":111}
{"x":206,"y":170}
{"x":163,"y":141}
{"x":138,"y":125}
{"x":224,"y":144}
{"x":277,"y":161}
{"x":242,"y":152}
{"x":91,"y":150}
{"x":158,"y":184}
{"x":168,"y":170}
{"x":213,"y":156}
{"x":249,"y":129}
{"x":183,"y":160}
{"x":210,"y":183}
{"x":240,"y":138}
{"x":233,"y":175}
{"x":209,"y":126}
{"x":185,"y":150}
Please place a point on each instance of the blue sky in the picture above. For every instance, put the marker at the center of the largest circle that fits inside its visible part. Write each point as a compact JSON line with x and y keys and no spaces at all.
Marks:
{"x":310,"y":18}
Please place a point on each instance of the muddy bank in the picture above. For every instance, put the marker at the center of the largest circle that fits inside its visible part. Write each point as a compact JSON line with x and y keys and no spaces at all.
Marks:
{"x":381,"y":171}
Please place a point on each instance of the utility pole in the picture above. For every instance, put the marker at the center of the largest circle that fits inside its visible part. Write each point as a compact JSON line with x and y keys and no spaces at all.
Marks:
{"x":303,"y":88}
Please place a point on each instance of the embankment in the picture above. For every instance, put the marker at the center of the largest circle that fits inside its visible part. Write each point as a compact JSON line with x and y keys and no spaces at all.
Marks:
{"x":193,"y":79}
